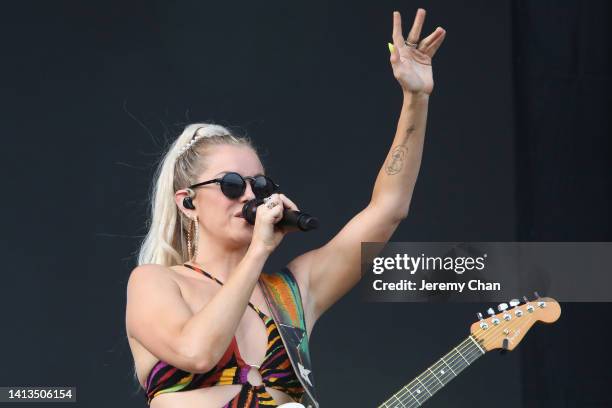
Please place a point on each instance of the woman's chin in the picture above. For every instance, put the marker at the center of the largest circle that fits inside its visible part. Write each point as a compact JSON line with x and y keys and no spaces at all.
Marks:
{"x":244,"y":223}
{"x":244,"y":228}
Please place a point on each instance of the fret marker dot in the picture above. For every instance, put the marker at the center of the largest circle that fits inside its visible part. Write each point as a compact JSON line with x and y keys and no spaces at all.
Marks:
{"x":418,"y":391}
{"x":441,"y":371}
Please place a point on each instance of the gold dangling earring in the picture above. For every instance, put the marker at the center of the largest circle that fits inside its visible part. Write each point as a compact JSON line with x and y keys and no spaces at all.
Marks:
{"x":182,"y":239}
{"x":196,"y":238}
{"x":189,"y":240}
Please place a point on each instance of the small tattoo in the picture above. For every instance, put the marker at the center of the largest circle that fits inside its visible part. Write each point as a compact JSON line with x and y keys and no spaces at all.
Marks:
{"x":409,"y":131}
{"x":396,"y":162}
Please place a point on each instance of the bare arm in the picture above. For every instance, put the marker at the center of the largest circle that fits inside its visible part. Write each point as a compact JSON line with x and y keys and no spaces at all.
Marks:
{"x":158,"y":317}
{"x":335,"y":268}
{"x":330,"y":271}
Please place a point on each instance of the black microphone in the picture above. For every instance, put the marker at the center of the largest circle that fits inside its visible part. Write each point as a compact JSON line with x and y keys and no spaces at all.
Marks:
{"x":303,"y":221}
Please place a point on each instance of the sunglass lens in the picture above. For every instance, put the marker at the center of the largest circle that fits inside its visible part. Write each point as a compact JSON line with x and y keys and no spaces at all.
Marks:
{"x":263,"y":186}
{"x":233,"y":185}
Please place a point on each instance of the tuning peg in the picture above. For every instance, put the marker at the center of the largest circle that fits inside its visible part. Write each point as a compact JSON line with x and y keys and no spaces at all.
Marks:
{"x":536,"y":295}
{"x":514,"y":302}
{"x":490,"y":311}
{"x":502,"y":306}
{"x":483,"y":323}
{"x":525,"y":299}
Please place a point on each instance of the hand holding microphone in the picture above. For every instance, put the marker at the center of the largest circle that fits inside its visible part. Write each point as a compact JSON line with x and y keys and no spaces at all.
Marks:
{"x":291,"y":215}
{"x":272,"y":219}
{"x":275,"y":210}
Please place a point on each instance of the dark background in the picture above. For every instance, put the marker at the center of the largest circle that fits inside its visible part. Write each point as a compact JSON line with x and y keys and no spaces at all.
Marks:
{"x":517,"y":148}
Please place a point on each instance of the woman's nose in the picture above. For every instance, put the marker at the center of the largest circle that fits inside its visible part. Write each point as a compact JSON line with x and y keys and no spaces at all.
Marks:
{"x":248,"y":193}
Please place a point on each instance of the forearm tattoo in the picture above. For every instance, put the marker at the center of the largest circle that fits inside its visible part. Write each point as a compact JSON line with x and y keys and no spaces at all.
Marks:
{"x":409,"y":131}
{"x":396,"y":162}
{"x":398,"y":154}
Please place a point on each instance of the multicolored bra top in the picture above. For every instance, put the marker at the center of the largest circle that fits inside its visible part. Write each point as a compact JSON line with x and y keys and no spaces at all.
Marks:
{"x":276,"y":371}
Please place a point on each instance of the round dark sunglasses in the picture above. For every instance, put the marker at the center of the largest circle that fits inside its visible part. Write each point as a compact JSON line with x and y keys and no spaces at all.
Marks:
{"x":233,"y":185}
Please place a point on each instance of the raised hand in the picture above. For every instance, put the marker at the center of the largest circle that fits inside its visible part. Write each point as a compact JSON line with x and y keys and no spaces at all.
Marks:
{"x":411,"y":59}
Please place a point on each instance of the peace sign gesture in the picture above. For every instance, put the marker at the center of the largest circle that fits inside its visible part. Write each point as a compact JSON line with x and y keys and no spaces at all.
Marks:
{"x":411,"y":58}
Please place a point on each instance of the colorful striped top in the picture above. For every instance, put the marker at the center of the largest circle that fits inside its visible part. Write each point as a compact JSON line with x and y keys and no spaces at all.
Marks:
{"x":276,"y":371}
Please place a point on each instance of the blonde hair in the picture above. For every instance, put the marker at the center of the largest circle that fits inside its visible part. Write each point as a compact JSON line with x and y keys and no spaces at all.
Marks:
{"x":165,"y":242}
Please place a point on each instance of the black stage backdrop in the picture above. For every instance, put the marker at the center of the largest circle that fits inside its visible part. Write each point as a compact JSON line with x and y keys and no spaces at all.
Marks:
{"x":563,"y":101}
{"x":517,"y":148}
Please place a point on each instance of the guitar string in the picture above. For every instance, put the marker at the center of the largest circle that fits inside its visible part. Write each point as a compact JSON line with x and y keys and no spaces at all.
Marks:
{"x":464,"y":351}
{"x":428,"y":378}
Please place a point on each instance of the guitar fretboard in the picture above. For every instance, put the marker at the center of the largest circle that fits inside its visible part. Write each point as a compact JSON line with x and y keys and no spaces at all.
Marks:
{"x":437,"y":376}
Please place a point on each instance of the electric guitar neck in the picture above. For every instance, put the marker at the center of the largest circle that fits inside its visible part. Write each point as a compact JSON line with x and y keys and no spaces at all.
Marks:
{"x":504,"y":330}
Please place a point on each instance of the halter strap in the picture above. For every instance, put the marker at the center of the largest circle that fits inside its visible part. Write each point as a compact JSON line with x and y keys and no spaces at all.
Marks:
{"x":208,"y":275}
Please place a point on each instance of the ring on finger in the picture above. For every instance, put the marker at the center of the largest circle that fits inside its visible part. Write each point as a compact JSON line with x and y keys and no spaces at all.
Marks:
{"x":409,"y":44}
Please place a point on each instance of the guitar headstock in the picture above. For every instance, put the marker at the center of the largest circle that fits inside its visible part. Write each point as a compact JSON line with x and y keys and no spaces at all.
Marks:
{"x":506,"y":329}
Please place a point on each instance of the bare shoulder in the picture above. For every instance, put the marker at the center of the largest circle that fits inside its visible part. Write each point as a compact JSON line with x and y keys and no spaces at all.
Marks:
{"x":148,"y":269}
{"x":149,"y":275}
{"x":156,"y":312}
{"x":150,"y":281}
